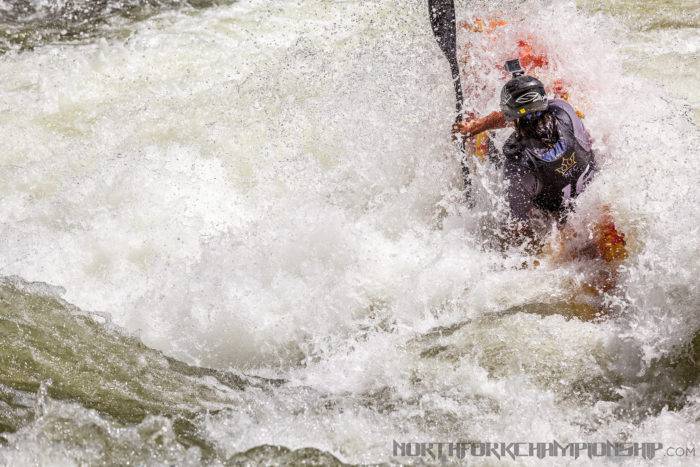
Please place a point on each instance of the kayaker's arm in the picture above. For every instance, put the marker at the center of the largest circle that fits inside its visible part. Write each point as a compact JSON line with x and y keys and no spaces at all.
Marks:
{"x":474,"y":126}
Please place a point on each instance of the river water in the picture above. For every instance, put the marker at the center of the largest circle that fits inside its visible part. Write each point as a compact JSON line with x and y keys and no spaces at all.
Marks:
{"x":232,"y":232}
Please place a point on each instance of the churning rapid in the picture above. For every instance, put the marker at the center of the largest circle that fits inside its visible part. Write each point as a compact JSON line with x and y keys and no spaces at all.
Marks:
{"x":233,"y":232}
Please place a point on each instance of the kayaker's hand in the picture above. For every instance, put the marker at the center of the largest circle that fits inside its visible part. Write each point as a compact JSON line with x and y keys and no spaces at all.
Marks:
{"x":464,"y":128}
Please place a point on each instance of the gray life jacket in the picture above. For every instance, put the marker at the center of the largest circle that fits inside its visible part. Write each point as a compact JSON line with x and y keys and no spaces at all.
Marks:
{"x":562,"y":168}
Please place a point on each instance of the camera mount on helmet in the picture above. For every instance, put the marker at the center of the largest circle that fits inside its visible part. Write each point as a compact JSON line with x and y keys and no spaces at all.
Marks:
{"x":513,"y":67}
{"x":522,"y":94}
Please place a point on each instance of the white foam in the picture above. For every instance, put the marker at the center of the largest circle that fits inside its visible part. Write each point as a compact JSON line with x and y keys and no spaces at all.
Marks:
{"x":259,"y":186}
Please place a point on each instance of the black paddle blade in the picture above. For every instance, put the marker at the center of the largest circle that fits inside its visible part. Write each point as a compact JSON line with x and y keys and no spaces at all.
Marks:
{"x":442,"y":20}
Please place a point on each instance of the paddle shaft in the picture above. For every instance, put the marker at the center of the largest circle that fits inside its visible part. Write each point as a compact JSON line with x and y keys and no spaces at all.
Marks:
{"x":443,"y":22}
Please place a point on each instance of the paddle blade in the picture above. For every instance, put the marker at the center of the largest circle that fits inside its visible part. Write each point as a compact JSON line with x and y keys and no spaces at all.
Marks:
{"x":442,"y":20}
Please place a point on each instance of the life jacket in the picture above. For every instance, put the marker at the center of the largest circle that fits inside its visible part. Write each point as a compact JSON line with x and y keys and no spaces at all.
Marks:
{"x":560,"y":156}
{"x":580,"y":132}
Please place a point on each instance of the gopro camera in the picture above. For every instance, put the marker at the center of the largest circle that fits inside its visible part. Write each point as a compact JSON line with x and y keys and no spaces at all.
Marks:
{"x":513,"y":66}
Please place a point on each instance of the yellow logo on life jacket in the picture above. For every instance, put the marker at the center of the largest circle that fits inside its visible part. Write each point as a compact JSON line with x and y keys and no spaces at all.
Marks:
{"x":567,"y":163}
{"x":522,"y":111}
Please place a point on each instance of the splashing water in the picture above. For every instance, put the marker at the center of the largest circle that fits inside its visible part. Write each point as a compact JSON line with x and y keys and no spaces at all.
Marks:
{"x":262,"y":202}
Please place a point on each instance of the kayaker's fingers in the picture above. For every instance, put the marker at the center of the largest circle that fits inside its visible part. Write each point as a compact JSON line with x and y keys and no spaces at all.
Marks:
{"x":457,"y":134}
{"x":465,"y":128}
{"x":460,"y":127}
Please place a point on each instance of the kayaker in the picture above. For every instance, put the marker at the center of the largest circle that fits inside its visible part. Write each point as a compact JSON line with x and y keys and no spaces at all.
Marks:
{"x":548,"y":159}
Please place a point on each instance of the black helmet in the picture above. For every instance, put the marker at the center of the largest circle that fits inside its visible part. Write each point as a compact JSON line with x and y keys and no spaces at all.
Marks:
{"x":522,"y":95}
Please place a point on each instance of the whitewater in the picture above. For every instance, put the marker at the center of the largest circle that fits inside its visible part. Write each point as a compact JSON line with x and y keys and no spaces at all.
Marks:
{"x":234,"y":233}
